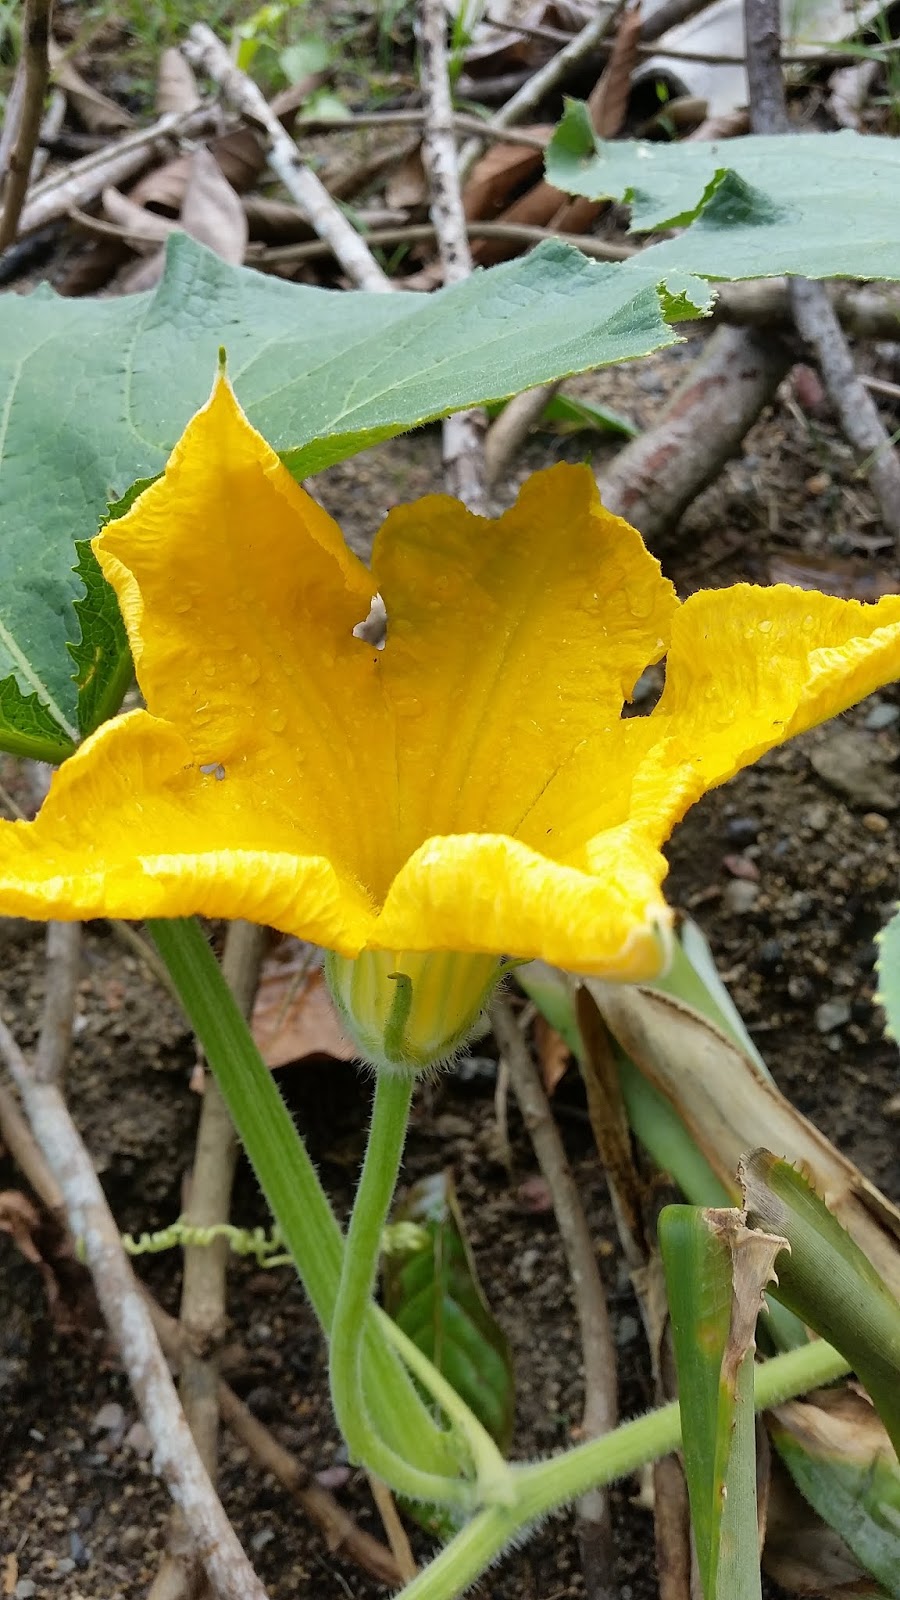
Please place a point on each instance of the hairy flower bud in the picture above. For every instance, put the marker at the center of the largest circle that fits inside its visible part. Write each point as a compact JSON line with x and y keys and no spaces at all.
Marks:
{"x":407,"y":1010}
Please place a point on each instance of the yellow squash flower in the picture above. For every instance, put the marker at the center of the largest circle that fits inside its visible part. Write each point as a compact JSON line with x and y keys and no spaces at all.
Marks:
{"x":470,"y":789}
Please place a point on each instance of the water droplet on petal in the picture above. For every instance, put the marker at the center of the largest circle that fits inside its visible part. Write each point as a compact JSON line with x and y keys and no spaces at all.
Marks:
{"x":276,"y":719}
{"x":249,"y":668}
{"x":765,"y":626}
{"x":181,"y":603}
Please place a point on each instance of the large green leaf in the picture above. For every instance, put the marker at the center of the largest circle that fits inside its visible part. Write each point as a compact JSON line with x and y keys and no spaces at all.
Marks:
{"x":820,"y":204}
{"x":94,"y":393}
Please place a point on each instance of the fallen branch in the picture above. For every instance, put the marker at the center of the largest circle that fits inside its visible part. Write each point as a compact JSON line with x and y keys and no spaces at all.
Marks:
{"x":597,"y":1347}
{"x":36,"y":76}
{"x":814,"y":315}
{"x":426,"y":233}
{"x":93,"y":1228}
{"x":867,"y":313}
{"x":84,"y":181}
{"x":655,"y":477}
{"x":463,"y":433}
{"x":415,"y":119}
{"x":205,"y":52}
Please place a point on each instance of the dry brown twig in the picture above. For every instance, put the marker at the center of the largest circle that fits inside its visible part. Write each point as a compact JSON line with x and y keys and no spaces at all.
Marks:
{"x":463,"y":433}
{"x":597,"y":1347}
{"x":814,"y":315}
{"x":654,"y":479}
{"x":425,"y":232}
{"x":36,"y":76}
{"x":93,"y":1227}
{"x":205,"y":52}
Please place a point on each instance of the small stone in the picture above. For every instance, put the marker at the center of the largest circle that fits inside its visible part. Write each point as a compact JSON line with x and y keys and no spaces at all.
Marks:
{"x":770,"y":955}
{"x":742,"y":830}
{"x":627,"y":1329}
{"x":799,"y":987}
{"x":260,"y":1539}
{"x":818,"y":483}
{"x":818,"y":816}
{"x":875,"y":822}
{"x":138,"y":1440}
{"x":108,"y":1418}
{"x":131,"y":1539}
{"x":25,"y":1588}
{"x":64,"y":1567}
{"x":881,"y":715}
{"x":741,"y":867}
{"x":740,"y":896}
{"x":850,"y":761}
{"x":832,"y":1014}
{"x":449,"y":1126}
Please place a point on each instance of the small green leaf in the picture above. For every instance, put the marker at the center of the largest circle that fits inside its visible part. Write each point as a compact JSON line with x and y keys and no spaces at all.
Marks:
{"x":888,"y":969}
{"x":431,"y":1289}
{"x":827,"y":1280}
{"x":716,"y":1272}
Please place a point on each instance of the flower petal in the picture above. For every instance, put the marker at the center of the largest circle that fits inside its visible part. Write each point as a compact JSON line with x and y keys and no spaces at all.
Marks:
{"x":240,"y":598}
{"x":509,"y":643}
{"x":132,"y":827}
{"x":747,"y":669}
{"x":486,"y":892}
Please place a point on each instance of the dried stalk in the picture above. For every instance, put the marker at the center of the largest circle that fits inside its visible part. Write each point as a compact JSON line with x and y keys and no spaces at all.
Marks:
{"x":814,"y":315}
{"x":463,"y":433}
{"x":35,"y":49}
{"x":93,"y":1227}
{"x":598,"y":1351}
{"x":204,"y":51}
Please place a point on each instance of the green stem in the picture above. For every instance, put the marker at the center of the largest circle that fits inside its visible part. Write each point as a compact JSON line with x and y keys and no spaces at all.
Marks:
{"x":384,"y":1152}
{"x":543,"y":1486}
{"x":290,"y":1184}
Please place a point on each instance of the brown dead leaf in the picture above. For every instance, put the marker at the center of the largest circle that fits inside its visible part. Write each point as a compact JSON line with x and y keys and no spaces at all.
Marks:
{"x":98,"y":113}
{"x":804,"y":1555}
{"x":407,"y":185}
{"x":142,"y":230}
{"x":211,"y":212}
{"x":240,"y":155}
{"x":293,"y":1016}
{"x":275,"y":221}
{"x":608,"y":100}
{"x":728,"y":1106}
{"x":553,"y":1054}
{"x":176,"y":86}
{"x":503,"y":172}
